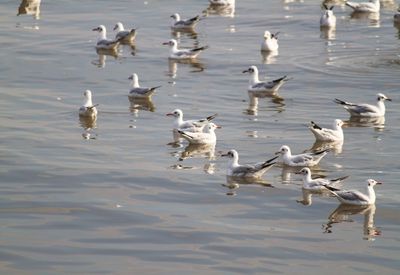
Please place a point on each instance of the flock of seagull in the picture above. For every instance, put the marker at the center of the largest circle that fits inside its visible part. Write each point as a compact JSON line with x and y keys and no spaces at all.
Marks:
{"x":202,"y":131}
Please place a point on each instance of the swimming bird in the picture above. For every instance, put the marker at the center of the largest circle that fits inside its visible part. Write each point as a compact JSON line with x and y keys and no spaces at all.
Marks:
{"x":207,"y":136}
{"x":305,"y":159}
{"x":123,"y":35}
{"x":189,"y":125}
{"x":248,"y":171}
{"x":328,"y":19}
{"x":176,"y":53}
{"x":365,"y":110}
{"x":255,"y":85}
{"x":319,"y":184}
{"x":324,"y":134}
{"x":370,"y":6}
{"x":184,"y":24}
{"x":102,"y":42}
{"x":138,"y":91}
{"x":88,"y":109}
{"x":355,"y":197}
{"x":270,"y":42}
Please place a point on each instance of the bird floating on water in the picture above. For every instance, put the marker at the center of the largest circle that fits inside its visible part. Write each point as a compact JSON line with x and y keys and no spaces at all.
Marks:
{"x":102,"y":42}
{"x":370,"y":6}
{"x":176,"y":53}
{"x":255,"y":85}
{"x":137,"y":91}
{"x":319,"y":184}
{"x":125,"y":36}
{"x":305,"y":159}
{"x":328,"y":19}
{"x":364,"y":109}
{"x":325,"y":134}
{"x":88,"y":109}
{"x":184,"y":24}
{"x":270,"y":42}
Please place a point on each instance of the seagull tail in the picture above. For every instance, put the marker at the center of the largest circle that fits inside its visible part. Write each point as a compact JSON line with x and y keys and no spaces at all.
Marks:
{"x":270,"y":160}
{"x":321,"y":152}
{"x":200,"y":48}
{"x":153,"y":88}
{"x":350,"y":4}
{"x":184,"y":134}
{"x":315,"y":126}
{"x":284,"y":78}
{"x":341,"y":102}
{"x":339,"y":179}
{"x":211,"y":117}
{"x":331,"y":189}
{"x":91,"y":107}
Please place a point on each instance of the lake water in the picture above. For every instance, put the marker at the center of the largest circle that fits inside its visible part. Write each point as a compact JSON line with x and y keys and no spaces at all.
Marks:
{"x":114,"y":197}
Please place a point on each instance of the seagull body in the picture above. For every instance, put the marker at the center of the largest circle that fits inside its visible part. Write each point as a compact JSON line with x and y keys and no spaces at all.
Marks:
{"x":189,"y":125}
{"x":246,"y":171}
{"x":318,"y":184}
{"x":88,"y":109}
{"x":176,"y":53}
{"x":123,"y":35}
{"x":102,"y":42}
{"x":138,"y":91}
{"x":184,"y":24}
{"x":207,"y":136}
{"x":306,"y":159}
{"x":371,"y":6}
{"x":328,"y":19}
{"x":222,"y":2}
{"x":330,"y":135}
{"x":355,"y":197}
{"x":270,"y":42}
{"x":365,"y":110}
{"x":255,"y":85}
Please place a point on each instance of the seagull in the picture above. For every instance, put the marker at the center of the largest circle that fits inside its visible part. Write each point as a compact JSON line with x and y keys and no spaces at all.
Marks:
{"x":318,"y":184}
{"x":102,"y":42}
{"x":123,"y":35}
{"x":306,"y":159}
{"x":255,"y":85}
{"x":176,"y":53}
{"x":88,"y":109}
{"x":270,"y":42}
{"x":330,"y":135}
{"x":366,"y":110}
{"x":247,"y":171}
{"x":182,"y":24}
{"x":355,"y":197}
{"x":328,"y":19}
{"x":207,"y":136}
{"x":137,"y":91}
{"x":370,"y":6}
{"x":189,"y":125}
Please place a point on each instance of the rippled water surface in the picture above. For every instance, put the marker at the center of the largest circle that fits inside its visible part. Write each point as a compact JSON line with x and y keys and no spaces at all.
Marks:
{"x":113,"y":196}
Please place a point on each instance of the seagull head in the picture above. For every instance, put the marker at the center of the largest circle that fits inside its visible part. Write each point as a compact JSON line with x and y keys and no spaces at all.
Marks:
{"x":338,"y":123}
{"x":251,"y":70}
{"x":87,"y":94}
{"x":133,"y":76}
{"x":382,"y":97}
{"x":283,"y":150}
{"x":230,"y":154}
{"x":305,"y":171}
{"x":267,"y":35}
{"x":176,"y":17}
{"x":118,"y":26}
{"x":171,"y":43}
{"x":176,"y":113}
{"x":372,"y":182}
{"x":100,"y":28}
{"x":212,"y":126}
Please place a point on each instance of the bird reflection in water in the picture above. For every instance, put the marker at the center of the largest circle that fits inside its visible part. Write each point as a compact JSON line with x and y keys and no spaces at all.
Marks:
{"x":253,"y":102}
{"x":269,"y":57}
{"x":378,"y":123}
{"x":173,"y":66}
{"x":30,"y":7}
{"x":88,"y":123}
{"x":287,"y":172}
{"x":198,"y":151}
{"x":221,"y":10}
{"x":328,"y":33}
{"x":189,"y":33}
{"x":336,"y":147}
{"x":141,"y":104}
{"x":102,"y":53}
{"x":372,"y":17}
{"x":307,"y":196}
{"x":233,"y":183}
{"x":343,"y":213}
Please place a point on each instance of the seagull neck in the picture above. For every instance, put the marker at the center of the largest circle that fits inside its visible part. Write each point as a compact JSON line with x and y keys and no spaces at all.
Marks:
{"x":254,"y":78}
{"x":307,"y":179}
{"x":102,"y":35}
{"x":235,"y":161}
{"x":88,"y":102}
{"x":177,"y":18}
{"x":371,"y":194}
{"x":381,"y":106}
{"x":135,"y":82}
{"x":174,"y":48}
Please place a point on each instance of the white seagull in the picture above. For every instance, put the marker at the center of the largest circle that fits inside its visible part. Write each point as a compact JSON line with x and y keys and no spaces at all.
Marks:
{"x":246,"y":171}
{"x":320,"y":183}
{"x":88,"y":109}
{"x":102,"y":42}
{"x":125,"y":36}
{"x":366,"y":110}
{"x":370,"y":6}
{"x":329,"y":135}
{"x":270,"y":42}
{"x":184,"y":24}
{"x":306,"y":159}
{"x":189,"y":125}
{"x":355,"y":197}
{"x":138,"y":91}
{"x":176,"y":53}
{"x":207,"y":136}
{"x":255,"y":85}
{"x":328,"y":19}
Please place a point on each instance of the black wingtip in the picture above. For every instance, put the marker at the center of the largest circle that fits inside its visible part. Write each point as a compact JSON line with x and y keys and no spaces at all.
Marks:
{"x":153,"y":88}
{"x":280,"y":79}
{"x":315,"y":126}
{"x":211,"y":117}
{"x":272,"y":159}
{"x":338,"y":101}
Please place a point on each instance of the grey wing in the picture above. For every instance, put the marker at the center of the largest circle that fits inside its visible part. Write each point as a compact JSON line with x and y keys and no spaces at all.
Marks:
{"x":363,"y":109}
{"x":243,"y":169}
{"x":263,"y":85}
{"x":140,"y":91}
{"x":122,"y":34}
{"x":301,"y":158}
{"x":105,"y":42}
{"x":352,"y":196}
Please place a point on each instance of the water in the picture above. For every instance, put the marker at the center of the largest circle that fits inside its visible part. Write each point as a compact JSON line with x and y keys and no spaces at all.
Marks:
{"x":117,"y":199}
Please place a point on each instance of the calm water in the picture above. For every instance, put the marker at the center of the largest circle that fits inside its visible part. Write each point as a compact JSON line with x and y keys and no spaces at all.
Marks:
{"x":115,"y":198}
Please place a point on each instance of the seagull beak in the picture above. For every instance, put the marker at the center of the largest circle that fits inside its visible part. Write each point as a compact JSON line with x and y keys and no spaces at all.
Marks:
{"x":378,"y":182}
{"x":298,"y":172}
{"x":277,"y":153}
{"x":96,"y":29}
{"x":115,"y":27}
{"x":245,"y":71}
{"x":388,"y":99}
{"x":224,"y":155}
{"x":169,"y":114}
{"x":218,"y":127}
{"x":130,"y":78}
{"x":165,"y":43}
